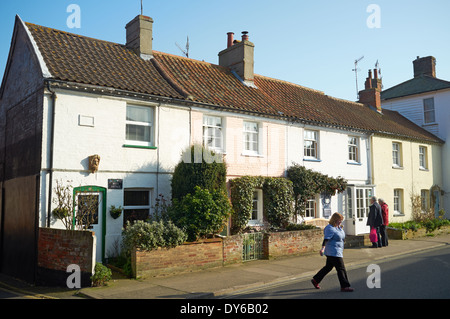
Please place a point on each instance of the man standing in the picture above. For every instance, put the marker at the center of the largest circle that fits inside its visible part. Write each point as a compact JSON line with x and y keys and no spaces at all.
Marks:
{"x":385,"y":214}
{"x":375,"y":219}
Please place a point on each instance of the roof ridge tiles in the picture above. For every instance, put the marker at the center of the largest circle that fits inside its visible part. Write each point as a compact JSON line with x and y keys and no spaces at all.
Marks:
{"x":29,"y":24}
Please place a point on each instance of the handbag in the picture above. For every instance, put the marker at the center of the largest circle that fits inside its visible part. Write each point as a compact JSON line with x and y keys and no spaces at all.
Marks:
{"x":373,"y":235}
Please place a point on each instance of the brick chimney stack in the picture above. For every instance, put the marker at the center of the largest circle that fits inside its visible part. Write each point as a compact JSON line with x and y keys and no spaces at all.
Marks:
{"x":140,"y":36}
{"x":371,"y":95}
{"x":239,"y":57}
{"x":425,"y":66}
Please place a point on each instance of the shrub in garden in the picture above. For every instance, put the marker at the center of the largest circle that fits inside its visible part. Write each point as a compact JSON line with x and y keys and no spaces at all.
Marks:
{"x":198,"y":167}
{"x":202,"y":213}
{"x":149,"y":236}
{"x":101,"y":276}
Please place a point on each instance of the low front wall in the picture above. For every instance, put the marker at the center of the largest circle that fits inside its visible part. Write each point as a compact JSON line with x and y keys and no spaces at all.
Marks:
{"x":292,"y":243}
{"x":220,"y":252}
{"x":183,"y":258}
{"x":59,"y":248}
{"x":409,"y":234}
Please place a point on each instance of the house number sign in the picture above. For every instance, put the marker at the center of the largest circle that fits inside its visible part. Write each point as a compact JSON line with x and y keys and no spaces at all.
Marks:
{"x":115,"y":183}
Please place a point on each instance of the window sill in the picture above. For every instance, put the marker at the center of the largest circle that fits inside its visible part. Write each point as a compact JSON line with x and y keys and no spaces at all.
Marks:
{"x":398,"y":214}
{"x":251,"y":154}
{"x":397,"y":167}
{"x":140,"y":146}
{"x":311,"y":160}
{"x":354,"y":163}
{"x":424,"y":169}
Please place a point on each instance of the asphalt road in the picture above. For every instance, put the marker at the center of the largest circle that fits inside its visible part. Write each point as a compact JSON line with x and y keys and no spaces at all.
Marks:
{"x":9,"y":294}
{"x":424,"y":275}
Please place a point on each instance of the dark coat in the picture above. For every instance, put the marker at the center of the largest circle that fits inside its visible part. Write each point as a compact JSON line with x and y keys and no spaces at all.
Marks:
{"x":375,"y":218}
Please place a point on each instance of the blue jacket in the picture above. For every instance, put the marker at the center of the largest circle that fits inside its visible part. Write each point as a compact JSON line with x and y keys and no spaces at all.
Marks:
{"x":334,"y":247}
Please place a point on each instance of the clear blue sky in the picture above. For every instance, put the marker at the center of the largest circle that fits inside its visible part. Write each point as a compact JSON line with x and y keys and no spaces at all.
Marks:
{"x":311,"y":43}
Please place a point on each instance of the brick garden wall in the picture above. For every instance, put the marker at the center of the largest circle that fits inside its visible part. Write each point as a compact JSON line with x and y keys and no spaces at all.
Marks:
{"x":183,"y":258}
{"x":220,"y":252}
{"x":293,"y":243}
{"x":59,"y":248}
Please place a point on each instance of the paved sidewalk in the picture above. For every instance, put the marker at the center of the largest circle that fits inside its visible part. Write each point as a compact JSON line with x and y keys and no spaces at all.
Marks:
{"x":218,"y":282}
{"x":230,"y":279}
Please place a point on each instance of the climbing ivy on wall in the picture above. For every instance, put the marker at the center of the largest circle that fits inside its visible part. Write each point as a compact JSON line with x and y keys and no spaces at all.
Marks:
{"x":307,"y":183}
{"x":278,"y":197}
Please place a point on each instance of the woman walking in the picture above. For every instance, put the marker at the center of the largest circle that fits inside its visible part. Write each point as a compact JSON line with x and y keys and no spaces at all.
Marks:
{"x":333,"y":247}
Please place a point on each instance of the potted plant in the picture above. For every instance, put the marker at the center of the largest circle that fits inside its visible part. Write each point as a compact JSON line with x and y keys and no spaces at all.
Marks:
{"x":115,"y":211}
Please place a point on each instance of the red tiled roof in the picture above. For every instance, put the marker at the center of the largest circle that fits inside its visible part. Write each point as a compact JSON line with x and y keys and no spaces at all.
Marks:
{"x":74,"y":58}
{"x":79,"y":59}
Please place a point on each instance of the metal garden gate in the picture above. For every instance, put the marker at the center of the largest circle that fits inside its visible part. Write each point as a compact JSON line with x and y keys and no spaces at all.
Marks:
{"x":253,"y":244}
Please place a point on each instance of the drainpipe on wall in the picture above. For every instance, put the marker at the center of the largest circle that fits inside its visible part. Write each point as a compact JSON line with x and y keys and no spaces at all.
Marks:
{"x":370,"y":159}
{"x":50,"y":168}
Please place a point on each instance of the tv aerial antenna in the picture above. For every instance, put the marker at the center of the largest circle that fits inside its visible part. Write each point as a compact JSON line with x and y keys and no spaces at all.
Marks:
{"x":356,"y":75}
{"x":142,"y":9}
{"x":377,"y":66}
{"x":186,"y":50}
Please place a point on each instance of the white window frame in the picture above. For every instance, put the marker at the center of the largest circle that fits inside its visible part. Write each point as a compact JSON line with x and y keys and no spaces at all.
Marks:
{"x":150,"y":124}
{"x":311,"y":138}
{"x":311,"y":208}
{"x":350,"y":208}
{"x":363,"y":202}
{"x":258,"y":201}
{"x":353,"y":149}
{"x":245,"y":138}
{"x":423,"y":157}
{"x":398,"y":201}
{"x":396,"y":154}
{"x":429,"y":113}
{"x":213,"y":125}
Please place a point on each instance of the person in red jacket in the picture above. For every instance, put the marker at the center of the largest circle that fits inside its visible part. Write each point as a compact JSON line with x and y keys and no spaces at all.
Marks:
{"x":385,"y":214}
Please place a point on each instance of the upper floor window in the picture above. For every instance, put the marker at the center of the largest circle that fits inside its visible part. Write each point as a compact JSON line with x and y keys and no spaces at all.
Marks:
{"x":310,"y":144}
{"x":213,"y":133}
{"x":139,"y":125}
{"x":428,"y":111}
{"x":353,"y":149}
{"x":396,"y":154}
{"x":251,"y":138}
{"x":423,"y":157}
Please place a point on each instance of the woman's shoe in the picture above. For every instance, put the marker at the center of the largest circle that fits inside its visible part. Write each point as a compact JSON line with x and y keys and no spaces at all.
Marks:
{"x":315,"y":284}
{"x":347,"y":289}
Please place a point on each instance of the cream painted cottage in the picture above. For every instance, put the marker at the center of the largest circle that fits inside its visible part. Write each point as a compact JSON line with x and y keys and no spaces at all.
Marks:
{"x":425,"y":100}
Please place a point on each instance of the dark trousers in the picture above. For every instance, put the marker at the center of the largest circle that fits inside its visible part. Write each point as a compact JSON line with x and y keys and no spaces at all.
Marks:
{"x":338,"y":263}
{"x":383,"y":235}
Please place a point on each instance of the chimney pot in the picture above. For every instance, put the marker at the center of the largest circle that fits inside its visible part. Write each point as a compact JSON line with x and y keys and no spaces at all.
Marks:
{"x":230,"y":39}
{"x":244,"y":35}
